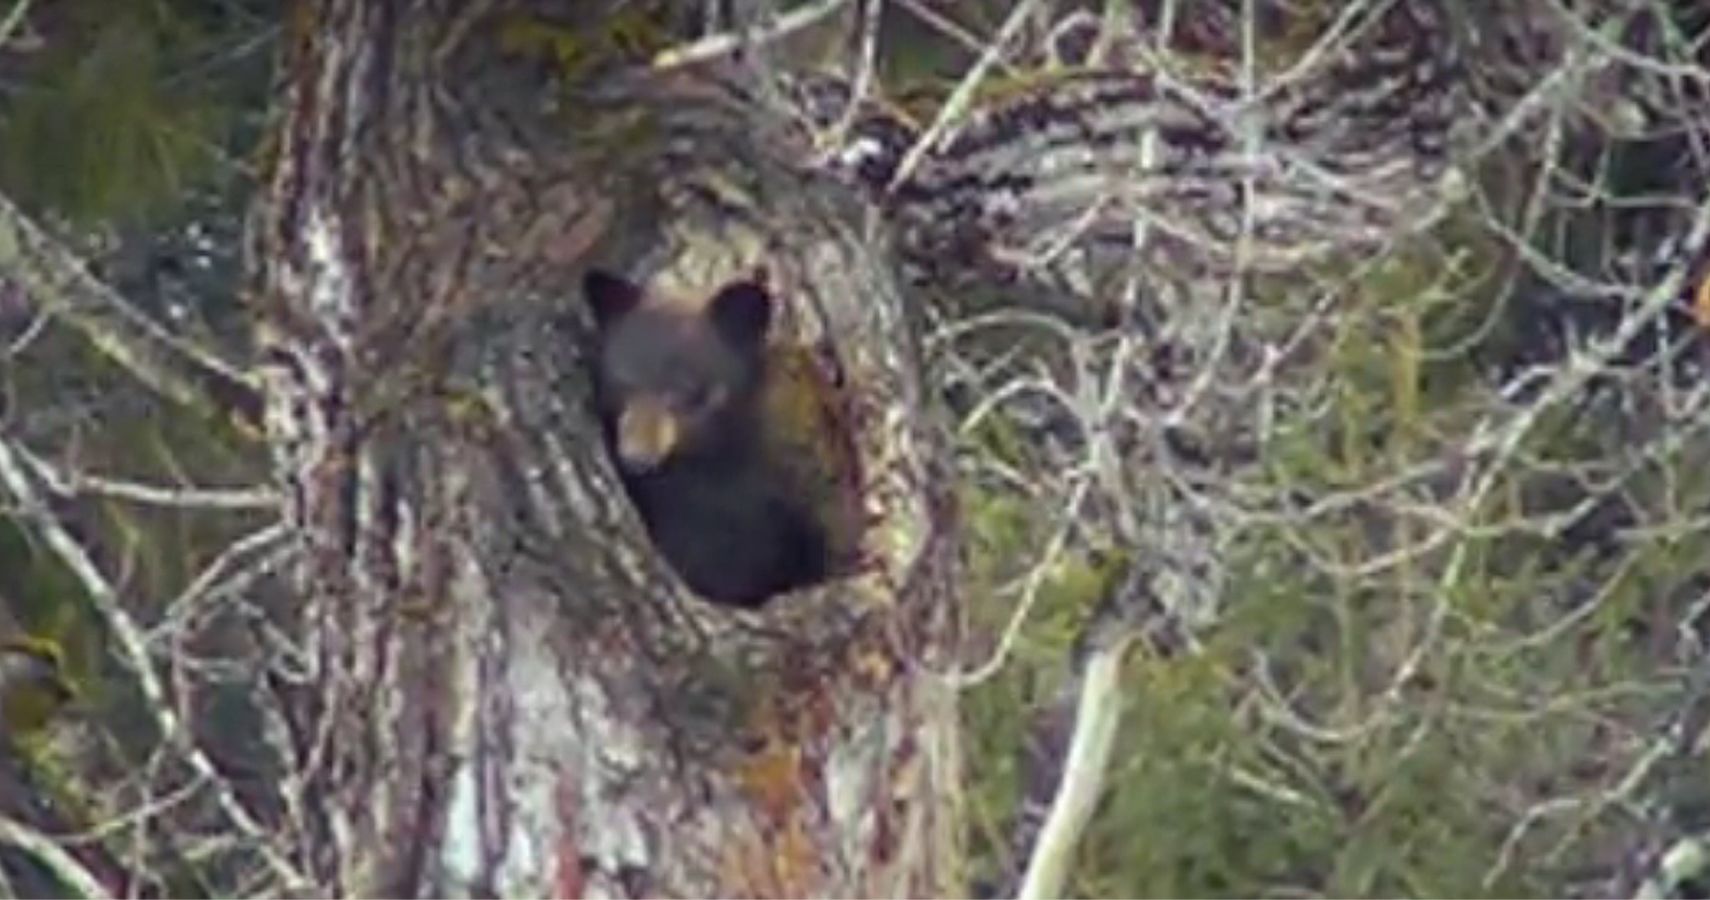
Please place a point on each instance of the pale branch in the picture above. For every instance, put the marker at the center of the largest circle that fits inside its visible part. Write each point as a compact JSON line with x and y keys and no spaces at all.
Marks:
{"x":1351,"y":150}
{"x":713,"y":46}
{"x":1687,"y":859}
{"x":865,"y":64}
{"x":951,"y":29}
{"x":1498,"y":442}
{"x":1679,"y":737}
{"x":1343,"y":151}
{"x":48,"y":852}
{"x":1098,"y":712}
{"x":32,"y":511}
{"x":60,"y":282}
{"x":73,"y":483}
{"x":1068,"y":753}
{"x":1031,"y":585}
{"x":38,"y":325}
{"x":961,"y":99}
{"x":240,"y":565}
{"x":13,"y":18}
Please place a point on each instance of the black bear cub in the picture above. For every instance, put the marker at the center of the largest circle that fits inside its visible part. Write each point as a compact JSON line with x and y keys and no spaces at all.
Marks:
{"x":679,"y":393}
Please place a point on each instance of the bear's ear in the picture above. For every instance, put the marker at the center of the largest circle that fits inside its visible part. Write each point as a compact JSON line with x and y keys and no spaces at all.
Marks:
{"x":741,"y":312}
{"x":610,"y":296}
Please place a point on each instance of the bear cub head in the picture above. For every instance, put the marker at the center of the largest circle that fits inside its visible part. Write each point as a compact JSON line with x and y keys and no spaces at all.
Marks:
{"x":679,"y":391}
{"x":676,"y":383}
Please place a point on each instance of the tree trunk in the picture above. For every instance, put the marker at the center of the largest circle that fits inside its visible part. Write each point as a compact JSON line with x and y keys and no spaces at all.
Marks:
{"x":510,"y":693}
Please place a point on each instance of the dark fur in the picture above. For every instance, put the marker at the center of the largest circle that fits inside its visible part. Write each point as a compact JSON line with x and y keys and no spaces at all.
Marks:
{"x":716,"y":510}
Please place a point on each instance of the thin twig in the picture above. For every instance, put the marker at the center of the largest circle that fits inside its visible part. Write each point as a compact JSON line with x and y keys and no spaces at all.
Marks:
{"x":70,"y":484}
{"x":133,"y":652}
{"x":725,"y":43}
{"x":52,"y":857}
{"x":963,"y":96}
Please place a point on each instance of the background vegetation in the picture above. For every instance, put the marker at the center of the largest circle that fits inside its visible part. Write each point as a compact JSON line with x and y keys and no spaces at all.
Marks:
{"x":1449,"y":635}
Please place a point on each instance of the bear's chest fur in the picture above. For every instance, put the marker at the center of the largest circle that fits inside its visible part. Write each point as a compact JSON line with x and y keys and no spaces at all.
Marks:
{"x":729,"y":528}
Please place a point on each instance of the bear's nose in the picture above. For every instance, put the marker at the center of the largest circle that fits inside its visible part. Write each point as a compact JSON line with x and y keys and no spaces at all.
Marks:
{"x":647,"y":432}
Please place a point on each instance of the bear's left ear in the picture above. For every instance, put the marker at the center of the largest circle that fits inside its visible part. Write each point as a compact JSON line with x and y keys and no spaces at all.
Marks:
{"x":741,"y":312}
{"x":610,"y":296}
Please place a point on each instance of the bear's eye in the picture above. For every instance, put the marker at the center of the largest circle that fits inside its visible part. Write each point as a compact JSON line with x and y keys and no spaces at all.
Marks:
{"x":699,"y":396}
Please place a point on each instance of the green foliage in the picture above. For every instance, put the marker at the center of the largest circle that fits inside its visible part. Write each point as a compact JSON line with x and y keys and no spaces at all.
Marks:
{"x":1392,"y":704}
{"x":114,"y":117}
{"x":1175,"y":823}
{"x":44,"y":618}
{"x":629,"y":36}
{"x":32,"y":690}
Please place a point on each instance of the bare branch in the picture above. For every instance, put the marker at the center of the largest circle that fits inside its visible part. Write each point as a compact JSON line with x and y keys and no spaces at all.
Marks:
{"x":174,"y":367}
{"x":46,"y":850}
{"x":134,"y":655}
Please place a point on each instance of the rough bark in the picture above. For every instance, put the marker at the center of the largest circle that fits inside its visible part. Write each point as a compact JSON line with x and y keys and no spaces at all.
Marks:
{"x":509,"y":691}
{"x":497,"y":686}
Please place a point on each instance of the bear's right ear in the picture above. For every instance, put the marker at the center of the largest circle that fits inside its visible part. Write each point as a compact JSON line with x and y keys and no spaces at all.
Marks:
{"x":609,"y":295}
{"x":741,"y":312}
